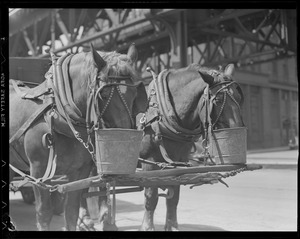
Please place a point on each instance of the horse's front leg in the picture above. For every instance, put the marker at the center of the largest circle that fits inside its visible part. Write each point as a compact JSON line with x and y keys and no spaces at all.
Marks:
{"x":72,"y":203}
{"x":171,"y":218}
{"x":85,"y":222}
{"x":105,"y":217}
{"x":151,"y":199}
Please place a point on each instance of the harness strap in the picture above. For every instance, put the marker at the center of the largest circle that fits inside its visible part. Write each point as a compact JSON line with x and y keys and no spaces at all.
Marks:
{"x":22,"y":163}
{"x":60,"y":83}
{"x":169,"y":119}
{"x":61,"y":108}
{"x":65,"y":67}
{"x":29,"y":179}
{"x":25,"y":94}
{"x":51,"y":166}
{"x":163,"y":119}
{"x":163,"y":151}
{"x":29,"y":121}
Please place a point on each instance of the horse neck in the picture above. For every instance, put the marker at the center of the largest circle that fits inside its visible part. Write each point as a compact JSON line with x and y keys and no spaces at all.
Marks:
{"x":185,"y":91}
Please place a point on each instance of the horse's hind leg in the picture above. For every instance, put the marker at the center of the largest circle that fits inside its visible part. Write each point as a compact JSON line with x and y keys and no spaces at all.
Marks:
{"x":43,"y":205}
{"x":38,"y":156}
{"x":171,"y":218}
{"x":44,"y":210}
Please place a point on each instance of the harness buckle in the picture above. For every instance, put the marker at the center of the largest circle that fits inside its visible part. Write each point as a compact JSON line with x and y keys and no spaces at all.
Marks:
{"x":143,"y":119}
{"x":47,"y":140}
{"x":204,"y":144}
{"x":152,"y":92}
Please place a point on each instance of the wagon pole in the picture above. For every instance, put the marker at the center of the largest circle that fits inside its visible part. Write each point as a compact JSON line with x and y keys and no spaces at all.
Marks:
{"x":151,"y":178}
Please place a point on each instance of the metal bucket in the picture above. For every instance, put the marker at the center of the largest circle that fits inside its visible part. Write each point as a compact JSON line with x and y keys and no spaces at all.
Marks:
{"x":117,"y":150}
{"x":229,"y":146}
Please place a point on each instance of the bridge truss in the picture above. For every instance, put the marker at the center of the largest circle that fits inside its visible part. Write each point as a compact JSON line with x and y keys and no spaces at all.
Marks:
{"x":164,"y":37}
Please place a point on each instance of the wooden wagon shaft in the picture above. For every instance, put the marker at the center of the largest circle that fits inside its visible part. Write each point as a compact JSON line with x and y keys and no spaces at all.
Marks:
{"x":177,"y":176}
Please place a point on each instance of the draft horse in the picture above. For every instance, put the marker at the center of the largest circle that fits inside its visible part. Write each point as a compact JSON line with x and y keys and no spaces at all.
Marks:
{"x":54,"y":122}
{"x":177,"y":116}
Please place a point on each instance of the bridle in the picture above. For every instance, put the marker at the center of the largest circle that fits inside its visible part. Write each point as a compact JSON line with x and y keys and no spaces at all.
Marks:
{"x":94,"y":117}
{"x":209,"y":99}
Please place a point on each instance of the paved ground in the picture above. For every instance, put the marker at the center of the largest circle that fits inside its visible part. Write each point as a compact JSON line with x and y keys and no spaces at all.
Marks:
{"x":274,"y":158}
{"x":262,"y":200}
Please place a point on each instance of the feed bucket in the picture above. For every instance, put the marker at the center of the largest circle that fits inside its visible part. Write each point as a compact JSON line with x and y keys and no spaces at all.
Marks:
{"x":117,"y":150}
{"x":229,"y":146}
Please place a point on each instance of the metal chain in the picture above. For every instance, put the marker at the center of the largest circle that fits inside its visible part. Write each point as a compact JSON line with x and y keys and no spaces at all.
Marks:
{"x":234,"y":172}
{"x":87,"y":145}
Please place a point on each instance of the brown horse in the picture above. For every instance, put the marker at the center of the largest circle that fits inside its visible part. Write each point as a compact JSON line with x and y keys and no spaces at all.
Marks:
{"x":103,"y":92}
{"x":177,"y":116}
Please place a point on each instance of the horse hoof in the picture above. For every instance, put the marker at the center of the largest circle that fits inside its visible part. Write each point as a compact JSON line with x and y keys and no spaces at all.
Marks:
{"x":85,"y":224}
{"x":43,"y":227}
{"x":108,"y":227}
{"x":147,"y":229}
{"x":171,"y":229}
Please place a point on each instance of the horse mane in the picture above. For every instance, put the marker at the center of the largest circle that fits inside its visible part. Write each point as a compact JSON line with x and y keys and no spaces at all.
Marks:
{"x":117,"y":65}
{"x":219,"y":73}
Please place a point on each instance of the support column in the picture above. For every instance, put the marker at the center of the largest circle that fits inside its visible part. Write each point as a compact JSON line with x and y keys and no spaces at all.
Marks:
{"x":52,"y":30}
{"x":179,"y":56}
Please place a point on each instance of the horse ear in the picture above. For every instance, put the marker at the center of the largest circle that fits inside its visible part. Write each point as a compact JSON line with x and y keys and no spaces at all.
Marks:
{"x":207,"y":77}
{"x":97,"y":58}
{"x":229,"y":70}
{"x":132,"y":53}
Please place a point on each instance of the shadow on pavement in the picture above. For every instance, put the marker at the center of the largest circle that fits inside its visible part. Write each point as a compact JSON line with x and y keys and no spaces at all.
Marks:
{"x":125,"y":206}
{"x":182,"y":227}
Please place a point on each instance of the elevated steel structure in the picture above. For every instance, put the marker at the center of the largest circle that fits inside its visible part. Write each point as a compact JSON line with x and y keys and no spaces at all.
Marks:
{"x":173,"y":38}
{"x":164,"y":37}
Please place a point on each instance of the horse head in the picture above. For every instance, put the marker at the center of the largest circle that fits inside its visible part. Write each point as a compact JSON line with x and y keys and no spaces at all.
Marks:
{"x":111,"y":92}
{"x":220,"y":105}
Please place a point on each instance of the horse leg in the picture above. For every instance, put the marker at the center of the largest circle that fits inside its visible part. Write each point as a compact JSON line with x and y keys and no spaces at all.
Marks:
{"x":151,"y":199}
{"x":171,"y":218}
{"x":85,"y":223}
{"x":73,"y":199}
{"x":38,"y":157}
{"x":105,"y":209}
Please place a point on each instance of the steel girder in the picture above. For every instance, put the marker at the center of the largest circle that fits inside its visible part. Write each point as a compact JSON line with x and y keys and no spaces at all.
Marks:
{"x":165,"y":37}
{"x":242,"y":36}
